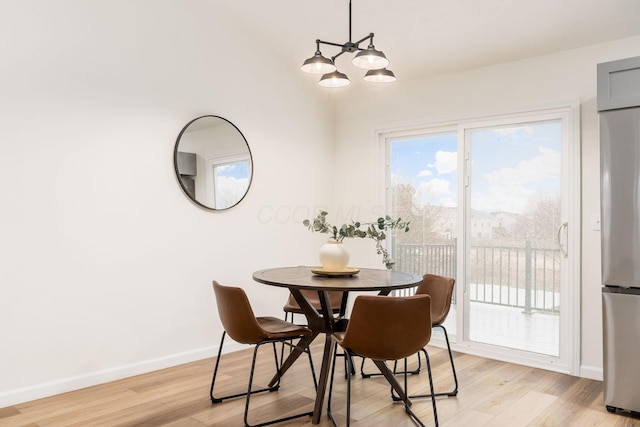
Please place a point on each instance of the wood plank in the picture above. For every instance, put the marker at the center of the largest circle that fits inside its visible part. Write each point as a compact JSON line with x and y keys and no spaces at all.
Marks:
{"x":492,"y":393}
{"x":524,"y":410}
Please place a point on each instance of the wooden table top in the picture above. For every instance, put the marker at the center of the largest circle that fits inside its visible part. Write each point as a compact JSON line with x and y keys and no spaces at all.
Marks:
{"x":368,"y":279}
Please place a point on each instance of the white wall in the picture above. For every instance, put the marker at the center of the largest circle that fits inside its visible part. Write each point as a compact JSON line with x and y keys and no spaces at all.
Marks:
{"x":501,"y":88}
{"x":105,"y":265}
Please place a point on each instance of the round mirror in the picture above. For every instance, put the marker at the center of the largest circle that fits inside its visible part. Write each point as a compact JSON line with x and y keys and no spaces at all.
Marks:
{"x":213,"y":162}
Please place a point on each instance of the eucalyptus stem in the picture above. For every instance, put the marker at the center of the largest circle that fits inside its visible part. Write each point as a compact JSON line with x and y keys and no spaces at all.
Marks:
{"x":373,"y":230}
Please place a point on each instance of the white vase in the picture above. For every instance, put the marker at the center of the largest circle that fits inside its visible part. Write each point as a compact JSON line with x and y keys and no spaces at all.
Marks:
{"x":334,"y":256}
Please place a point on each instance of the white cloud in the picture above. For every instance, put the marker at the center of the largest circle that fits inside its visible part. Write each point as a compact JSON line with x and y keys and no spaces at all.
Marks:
{"x":446,"y":162}
{"x":425,"y":172}
{"x":512,"y":188}
{"x":544,"y":166}
{"x":508,"y":197}
{"x":435,"y":192}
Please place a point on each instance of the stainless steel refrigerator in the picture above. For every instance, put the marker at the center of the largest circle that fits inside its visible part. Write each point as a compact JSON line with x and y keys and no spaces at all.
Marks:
{"x":619,"y":110}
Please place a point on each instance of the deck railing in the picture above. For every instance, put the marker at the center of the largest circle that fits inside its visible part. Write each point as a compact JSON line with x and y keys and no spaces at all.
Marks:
{"x":526,"y":276}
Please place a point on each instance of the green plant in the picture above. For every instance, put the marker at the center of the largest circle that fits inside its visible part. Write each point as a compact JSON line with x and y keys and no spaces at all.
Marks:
{"x":373,"y":230}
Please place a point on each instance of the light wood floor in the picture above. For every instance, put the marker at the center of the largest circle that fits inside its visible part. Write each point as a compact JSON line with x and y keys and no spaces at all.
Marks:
{"x":491,"y":394}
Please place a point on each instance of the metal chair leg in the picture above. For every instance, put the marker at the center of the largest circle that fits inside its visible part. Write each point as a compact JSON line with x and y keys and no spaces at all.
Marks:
{"x":406,"y":405}
{"x":291,"y":345}
{"x":408,"y":410}
{"x":433,"y":395}
{"x":395,"y":371}
{"x":286,"y":317}
{"x":215,"y":399}
{"x":349,"y":367}
{"x":250,"y":392}
{"x":333,"y":372}
{"x":453,"y":392}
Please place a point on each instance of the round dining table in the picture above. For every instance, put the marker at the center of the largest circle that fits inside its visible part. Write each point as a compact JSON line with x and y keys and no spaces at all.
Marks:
{"x":301,"y":278}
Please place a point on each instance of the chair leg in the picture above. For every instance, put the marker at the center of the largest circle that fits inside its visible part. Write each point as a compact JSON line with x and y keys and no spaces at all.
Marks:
{"x":313,"y":371}
{"x":395,"y":371}
{"x":348,"y":367}
{"x":433,"y":395}
{"x":406,"y":405}
{"x":250,"y":392}
{"x":347,"y":357}
{"x":453,"y":392}
{"x":347,"y":370}
{"x":407,"y":402}
{"x":333,"y":372}
{"x":286,"y":316}
{"x":290,"y":344}
{"x":215,"y":399}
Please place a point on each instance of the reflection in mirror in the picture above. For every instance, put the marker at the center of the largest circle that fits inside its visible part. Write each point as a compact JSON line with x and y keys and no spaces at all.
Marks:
{"x":213,"y":162}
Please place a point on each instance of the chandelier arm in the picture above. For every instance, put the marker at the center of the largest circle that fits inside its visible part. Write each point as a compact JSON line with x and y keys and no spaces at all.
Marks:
{"x":333,"y":58}
{"x":355,"y":44}
{"x":370,"y":36}
{"x":329,"y":43}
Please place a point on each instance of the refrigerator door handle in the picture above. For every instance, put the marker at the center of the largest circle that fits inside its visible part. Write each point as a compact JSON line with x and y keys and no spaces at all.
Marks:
{"x":563,"y":247}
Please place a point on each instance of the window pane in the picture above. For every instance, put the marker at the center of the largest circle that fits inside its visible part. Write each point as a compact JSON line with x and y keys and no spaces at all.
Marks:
{"x":231,"y":181}
{"x":514,"y":283}
{"x":423,"y":185}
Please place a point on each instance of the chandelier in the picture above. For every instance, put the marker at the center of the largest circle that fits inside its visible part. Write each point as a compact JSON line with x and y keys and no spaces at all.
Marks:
{"x":368,"y":59}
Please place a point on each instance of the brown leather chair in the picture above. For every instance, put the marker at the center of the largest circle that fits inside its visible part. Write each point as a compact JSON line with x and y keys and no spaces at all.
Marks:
{"x":335,"y":297}
{"x":440,"y":289}
{"x":385,"y":328}
{"x":244,"y":327}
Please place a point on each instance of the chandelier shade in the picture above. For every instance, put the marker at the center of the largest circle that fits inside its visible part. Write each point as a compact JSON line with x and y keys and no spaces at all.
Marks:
{"x":380,"y":76}
{"x":369,"y":59}
{"x":318,"y":64}
{"x":334,"y":79}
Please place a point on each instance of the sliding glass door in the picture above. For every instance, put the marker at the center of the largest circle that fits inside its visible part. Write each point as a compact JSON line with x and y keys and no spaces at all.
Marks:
{"x":494,"y":203}
{"x":513,"y":218}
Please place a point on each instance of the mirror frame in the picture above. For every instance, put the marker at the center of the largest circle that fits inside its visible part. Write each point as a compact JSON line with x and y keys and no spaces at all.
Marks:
{"x":175,"y":163}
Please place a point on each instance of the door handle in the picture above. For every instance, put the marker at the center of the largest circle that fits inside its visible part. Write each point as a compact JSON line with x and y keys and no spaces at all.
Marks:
{"x":563,"y":247}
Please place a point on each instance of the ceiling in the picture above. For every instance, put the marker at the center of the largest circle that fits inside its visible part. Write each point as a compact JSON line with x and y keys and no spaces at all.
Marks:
{"x":428,"y":37}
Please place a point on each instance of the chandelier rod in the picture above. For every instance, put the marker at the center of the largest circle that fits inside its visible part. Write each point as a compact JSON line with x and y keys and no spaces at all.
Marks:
{"x":350,"y":21}
{"x":348,"y":46}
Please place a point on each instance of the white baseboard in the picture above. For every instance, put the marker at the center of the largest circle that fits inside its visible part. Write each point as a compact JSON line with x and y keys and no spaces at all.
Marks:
{"x":63,"y":385}
{"x":591,"y":372}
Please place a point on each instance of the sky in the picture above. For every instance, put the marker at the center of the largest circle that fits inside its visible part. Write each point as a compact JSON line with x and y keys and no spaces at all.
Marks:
{"x":509,"y":166}
{"x":231,"y":183}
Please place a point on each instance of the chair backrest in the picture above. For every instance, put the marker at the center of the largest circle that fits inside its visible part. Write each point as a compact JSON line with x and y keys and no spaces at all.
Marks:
{"x":237,"y":315}
{"x":388,"y":328}
{"x":440,"y":289}
{"x":335,"y":298}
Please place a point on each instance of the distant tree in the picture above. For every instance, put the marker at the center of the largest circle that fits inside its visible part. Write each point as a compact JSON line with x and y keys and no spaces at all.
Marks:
{"x":422,"y":218}
{"x":402,"y":206}
{"x":540,"y":221}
